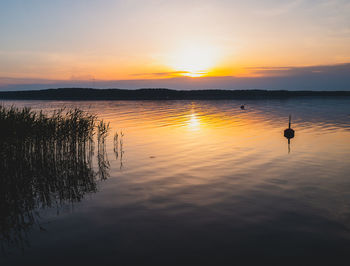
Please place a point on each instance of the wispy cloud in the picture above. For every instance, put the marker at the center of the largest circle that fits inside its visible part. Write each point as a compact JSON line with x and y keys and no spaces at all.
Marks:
{"x":161,"y":74}
{"x":279,"y":9}
{"x":297,"y":71}
{"x":325,"y":77}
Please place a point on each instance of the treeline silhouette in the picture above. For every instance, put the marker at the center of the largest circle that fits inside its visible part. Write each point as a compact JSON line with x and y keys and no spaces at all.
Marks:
{"x":162,"y":94}
{"x":45,"y":161}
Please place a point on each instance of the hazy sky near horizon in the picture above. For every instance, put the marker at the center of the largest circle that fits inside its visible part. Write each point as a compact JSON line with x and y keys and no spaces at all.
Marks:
{"x":155,"y":39}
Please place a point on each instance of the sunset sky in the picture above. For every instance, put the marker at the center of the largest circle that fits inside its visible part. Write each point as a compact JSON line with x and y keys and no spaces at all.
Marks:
{"x":112,"y":43}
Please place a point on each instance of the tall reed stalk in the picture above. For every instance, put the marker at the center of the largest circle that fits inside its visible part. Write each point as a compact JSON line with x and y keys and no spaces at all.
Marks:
{"x":45,"y":161}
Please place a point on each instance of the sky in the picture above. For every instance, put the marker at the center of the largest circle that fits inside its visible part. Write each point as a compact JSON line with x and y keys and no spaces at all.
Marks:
{"x":272,"y":44}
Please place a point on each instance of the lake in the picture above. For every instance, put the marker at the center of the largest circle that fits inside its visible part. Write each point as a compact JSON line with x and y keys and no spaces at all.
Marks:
{"x":202,"y":183}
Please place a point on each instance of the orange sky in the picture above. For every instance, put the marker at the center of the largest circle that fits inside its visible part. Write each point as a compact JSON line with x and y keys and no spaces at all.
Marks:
{"x":111,"y":40}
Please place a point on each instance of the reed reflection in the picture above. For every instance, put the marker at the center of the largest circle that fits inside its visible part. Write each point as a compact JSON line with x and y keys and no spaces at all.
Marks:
{"x":45,"y":166}
{"x":118,"y":147}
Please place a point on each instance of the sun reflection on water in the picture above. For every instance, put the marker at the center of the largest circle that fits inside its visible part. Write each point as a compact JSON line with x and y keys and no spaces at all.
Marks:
{"x":193,"y":122}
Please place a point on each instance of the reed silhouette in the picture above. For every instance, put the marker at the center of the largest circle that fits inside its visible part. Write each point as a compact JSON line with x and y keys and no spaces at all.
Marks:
{"x":45,"y":162}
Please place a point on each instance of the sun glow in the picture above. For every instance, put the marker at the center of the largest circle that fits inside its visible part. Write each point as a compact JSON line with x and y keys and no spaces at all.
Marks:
{"x":194,"y":60}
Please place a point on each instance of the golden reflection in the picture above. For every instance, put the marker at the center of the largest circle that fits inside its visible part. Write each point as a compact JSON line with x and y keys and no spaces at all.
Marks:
{"x":193,"y":122}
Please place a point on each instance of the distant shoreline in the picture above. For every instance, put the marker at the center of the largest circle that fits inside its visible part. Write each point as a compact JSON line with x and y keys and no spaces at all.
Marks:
{"x":86,"y":94}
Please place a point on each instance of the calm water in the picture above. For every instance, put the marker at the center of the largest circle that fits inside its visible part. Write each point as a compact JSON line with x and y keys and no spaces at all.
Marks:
{"x":203,"y":182}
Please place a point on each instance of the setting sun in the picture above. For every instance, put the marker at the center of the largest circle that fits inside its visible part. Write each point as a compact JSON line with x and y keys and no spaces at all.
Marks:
{"x":194,"y":60}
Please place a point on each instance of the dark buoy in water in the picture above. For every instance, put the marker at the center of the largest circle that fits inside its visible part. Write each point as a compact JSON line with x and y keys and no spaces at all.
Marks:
{"x":242,"y":106}
{"x":289,"y":133}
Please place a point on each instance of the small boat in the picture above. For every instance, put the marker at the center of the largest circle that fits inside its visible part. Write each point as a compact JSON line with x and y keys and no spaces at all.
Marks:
{"x":242,"y":106}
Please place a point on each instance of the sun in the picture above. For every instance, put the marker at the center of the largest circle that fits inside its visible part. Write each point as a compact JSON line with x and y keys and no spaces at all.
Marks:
{"x":194,"y":60}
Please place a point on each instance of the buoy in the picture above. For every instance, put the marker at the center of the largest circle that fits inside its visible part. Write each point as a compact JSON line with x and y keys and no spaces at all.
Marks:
{"x":289,"y":133}
{"x":242,"y":106}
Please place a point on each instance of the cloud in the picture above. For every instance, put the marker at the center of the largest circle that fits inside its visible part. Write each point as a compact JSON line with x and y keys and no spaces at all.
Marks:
{"x":162,"y":74}
{"x":326,"y":77}
{"x":82,"y":77}
{"x":279,"y":9}
{"x":302,"y":71}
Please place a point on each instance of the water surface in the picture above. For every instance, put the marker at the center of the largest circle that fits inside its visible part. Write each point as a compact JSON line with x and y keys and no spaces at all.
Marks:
{"x":204,"y":182}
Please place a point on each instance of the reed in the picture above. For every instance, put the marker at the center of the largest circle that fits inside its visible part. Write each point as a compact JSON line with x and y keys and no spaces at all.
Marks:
{"x":25,"y":124}
{"x":45,"y":161}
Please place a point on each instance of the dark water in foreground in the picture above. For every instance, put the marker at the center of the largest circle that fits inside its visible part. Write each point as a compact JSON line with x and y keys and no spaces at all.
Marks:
{"x":203,"y":182}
